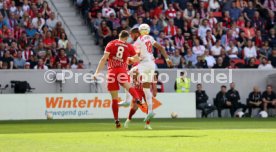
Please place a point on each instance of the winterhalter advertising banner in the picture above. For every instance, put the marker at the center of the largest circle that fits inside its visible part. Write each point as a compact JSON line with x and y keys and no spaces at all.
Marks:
{"x":88,"y":106}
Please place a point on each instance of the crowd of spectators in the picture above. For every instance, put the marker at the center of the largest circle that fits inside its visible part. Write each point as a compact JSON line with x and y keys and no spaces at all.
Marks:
{"x":195,"y":33}
{"x":31,"y":37}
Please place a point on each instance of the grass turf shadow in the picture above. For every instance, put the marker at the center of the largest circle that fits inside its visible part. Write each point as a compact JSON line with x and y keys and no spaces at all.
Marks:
{"x":170,"y":136}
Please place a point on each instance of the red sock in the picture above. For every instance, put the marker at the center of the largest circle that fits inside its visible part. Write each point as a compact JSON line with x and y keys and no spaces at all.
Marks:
{"x":131,"y":113}
{"x":148,"y":122}
{"x":133,"y":93}
{"x":115,"y":108}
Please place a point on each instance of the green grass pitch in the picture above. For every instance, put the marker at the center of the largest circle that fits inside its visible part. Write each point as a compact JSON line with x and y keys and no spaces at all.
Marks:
{"x":169,"y":135}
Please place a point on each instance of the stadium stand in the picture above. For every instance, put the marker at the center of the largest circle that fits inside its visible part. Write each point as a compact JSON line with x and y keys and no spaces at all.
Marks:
{"x":234,"y":31}
{"x":31,"y":37}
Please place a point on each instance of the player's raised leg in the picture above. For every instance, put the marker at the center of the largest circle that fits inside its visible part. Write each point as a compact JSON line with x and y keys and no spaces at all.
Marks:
{"x":133,"y":75}
{"x":132,"y":91}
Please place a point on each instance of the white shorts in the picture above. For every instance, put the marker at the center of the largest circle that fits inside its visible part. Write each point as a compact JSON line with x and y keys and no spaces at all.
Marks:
{"x":146,"y":71}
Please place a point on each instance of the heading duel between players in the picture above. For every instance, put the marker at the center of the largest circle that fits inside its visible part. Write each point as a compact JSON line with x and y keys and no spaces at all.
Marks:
{"x":119,"y":53}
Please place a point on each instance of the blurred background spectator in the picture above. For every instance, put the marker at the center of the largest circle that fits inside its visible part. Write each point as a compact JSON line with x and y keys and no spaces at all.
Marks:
{"x":244,"y":29}
{"x":31,"y":36}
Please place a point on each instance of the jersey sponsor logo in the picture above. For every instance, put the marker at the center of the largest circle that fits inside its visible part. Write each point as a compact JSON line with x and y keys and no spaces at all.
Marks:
{"x":116,"y":63}
{"x":118,"y":59}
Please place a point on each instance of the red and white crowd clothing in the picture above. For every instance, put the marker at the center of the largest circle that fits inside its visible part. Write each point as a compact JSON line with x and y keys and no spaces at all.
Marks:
{"x":212,"y":22}
{"x":258,"y":41}
{"x":26,"y":54}
{"x":232,"y":52}
{"x":198,"y":50}
{"x":17,"y":32}
{"x":216,"y":50}
{"x":171,"y":13}
{"x":235,"y":32}
{"x":240,"y":23}
{"x":249,"y":32}
{"x":270,"y":4}
{"x":202,"y":31}
{"x":203,"y":12}
{"x":64,"y":61}
{"x":227,"y":22}
{"x":250,"y":52}
{"x":48,"y":41}
{"x":106,"y":11}
{"x":161,"y":41}
{"x":179,"y":41}
{"x":170,"y":30}
{"x":41,"y":67}
{"x":209,"y":40}
{"x":26,"y":7}
{"x":118,"y":3}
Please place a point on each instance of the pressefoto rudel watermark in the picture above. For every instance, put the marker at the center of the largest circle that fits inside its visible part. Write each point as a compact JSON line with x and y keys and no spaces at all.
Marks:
{"x":207,"y":76}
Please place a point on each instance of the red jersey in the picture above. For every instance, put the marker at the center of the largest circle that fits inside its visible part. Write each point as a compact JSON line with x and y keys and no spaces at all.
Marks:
{"x":119,"y":52}
{"x":64,"y":61}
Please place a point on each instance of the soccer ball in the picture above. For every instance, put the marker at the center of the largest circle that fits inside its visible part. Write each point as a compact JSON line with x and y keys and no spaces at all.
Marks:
{"x":174,"y":115}
{"x":49,"y":116}
{"x":263,"y":114}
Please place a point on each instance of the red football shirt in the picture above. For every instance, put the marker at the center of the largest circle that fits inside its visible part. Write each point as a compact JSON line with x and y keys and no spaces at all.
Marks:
{"x":119,"y":51}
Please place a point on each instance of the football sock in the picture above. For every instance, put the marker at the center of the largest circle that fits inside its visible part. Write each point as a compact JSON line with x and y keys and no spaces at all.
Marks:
{"x":148,"y":122}
{"x":131,"y":113}
{"x":115,"y":109}
{"x":148,"y":96}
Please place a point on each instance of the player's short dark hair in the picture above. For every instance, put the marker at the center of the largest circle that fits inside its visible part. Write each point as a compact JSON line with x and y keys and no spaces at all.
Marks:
{"x":123,"y":34}
{"x":199,"y":84}
{"x":134,"y":30}
{"x":223,"y":86}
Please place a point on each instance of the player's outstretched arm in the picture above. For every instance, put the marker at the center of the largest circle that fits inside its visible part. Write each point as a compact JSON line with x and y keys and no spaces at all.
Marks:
{"x":101,"y":64}
{"x":164,"y":53}
{"x":134,"y":58}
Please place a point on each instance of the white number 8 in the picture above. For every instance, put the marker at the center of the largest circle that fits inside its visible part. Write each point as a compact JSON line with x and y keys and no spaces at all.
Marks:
{"x":120,"y":52}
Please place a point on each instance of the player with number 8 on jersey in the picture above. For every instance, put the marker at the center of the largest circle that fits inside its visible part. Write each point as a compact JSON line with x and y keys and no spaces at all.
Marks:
{"x":118,"y":52}
{"x":143,"y":43}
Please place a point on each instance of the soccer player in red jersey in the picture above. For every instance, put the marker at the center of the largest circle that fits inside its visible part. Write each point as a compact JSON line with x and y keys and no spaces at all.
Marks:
{"x":118,"y":52}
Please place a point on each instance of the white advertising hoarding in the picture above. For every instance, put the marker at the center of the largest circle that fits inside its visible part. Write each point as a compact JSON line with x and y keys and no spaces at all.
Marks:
{"x":88,"y":106}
